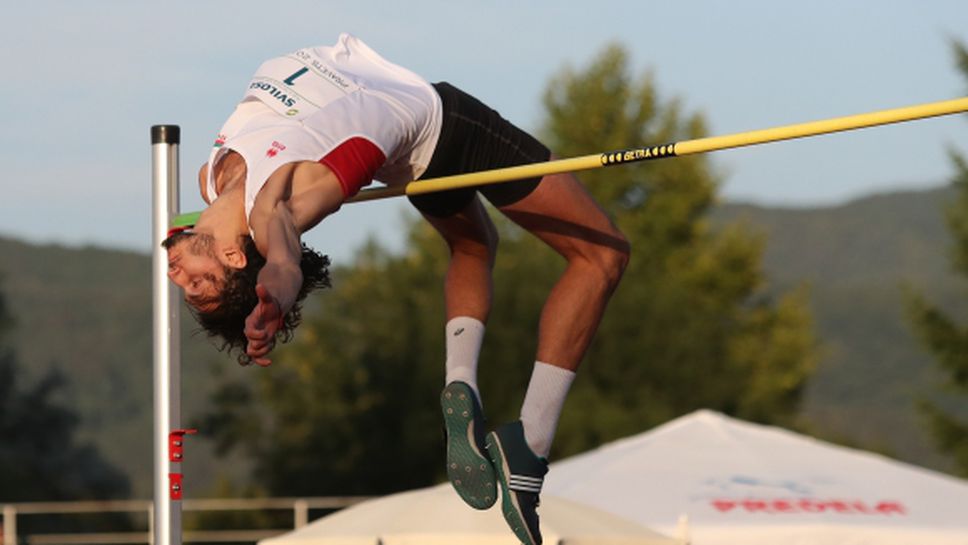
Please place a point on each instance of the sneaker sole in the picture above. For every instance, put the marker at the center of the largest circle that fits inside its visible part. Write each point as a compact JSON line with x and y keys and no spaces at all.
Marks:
{"x":469,"y":470}
{"x":509,"y":501}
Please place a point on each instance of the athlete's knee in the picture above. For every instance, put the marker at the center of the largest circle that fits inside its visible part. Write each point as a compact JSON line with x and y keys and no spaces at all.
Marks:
{"x":616,"y":259}
{"x":607,"y":261}
{"x":480,"y":243}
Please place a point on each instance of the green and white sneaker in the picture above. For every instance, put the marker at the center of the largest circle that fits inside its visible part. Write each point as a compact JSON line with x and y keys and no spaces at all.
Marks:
{"x":521,"y":473}
{"x":468,"y":467}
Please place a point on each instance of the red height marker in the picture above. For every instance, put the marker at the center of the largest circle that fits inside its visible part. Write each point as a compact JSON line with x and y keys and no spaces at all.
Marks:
{"x":176,"y":454}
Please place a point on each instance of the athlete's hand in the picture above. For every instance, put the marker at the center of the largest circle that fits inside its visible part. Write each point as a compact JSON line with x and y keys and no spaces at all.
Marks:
{"x":261,"y":326}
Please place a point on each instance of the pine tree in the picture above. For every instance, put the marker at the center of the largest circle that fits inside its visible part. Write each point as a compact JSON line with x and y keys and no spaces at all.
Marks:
{"x":940,"y":332}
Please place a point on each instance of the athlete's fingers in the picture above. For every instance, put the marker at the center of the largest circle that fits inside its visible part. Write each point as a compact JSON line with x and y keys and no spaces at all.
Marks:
{"x":262,"y":362}
{"x":261,"y":326}
{"x":257,"y":352}
{"x":258,"y":355}
{"x":260,"y":348}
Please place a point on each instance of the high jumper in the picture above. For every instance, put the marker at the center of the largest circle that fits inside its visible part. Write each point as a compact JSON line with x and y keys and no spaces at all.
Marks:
{"x":312,"y":129}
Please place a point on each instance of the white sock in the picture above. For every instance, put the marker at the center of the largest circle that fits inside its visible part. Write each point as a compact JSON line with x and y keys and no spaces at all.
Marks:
{"x":542,"y":405}
{"x":464,"y":338}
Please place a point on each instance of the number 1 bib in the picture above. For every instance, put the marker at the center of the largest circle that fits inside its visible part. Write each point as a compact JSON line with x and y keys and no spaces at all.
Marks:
{"x":299,"y":84}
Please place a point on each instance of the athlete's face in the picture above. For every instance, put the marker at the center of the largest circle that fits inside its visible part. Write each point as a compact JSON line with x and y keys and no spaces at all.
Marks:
{"x":194,"y":266}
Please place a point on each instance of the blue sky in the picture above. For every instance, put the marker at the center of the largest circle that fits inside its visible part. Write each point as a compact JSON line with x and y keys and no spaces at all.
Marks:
{"x":85,"y":81}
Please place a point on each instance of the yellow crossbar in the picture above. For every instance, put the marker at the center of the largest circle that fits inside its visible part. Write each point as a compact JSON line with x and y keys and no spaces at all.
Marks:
{"x":676,"y":149}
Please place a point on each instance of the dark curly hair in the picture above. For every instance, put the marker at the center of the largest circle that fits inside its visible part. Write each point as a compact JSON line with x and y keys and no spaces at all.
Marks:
{"x":237,"y":298}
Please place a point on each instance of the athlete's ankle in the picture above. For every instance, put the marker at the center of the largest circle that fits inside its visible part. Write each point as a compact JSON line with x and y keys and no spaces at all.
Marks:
{"x":542,"y":405}
{"x":464,"y":336}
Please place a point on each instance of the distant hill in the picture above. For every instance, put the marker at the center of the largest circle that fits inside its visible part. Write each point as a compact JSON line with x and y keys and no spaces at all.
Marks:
{"x":86,"y":311}
{"x":857,"y":259}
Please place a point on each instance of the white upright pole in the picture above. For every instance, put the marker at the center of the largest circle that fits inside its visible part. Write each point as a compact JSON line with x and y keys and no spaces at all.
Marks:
{"x":167,"y":356}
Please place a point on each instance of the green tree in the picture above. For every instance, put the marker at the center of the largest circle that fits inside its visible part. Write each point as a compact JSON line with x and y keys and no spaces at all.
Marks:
{"x":39,"y":459}
{"x":940,"y":332}
{"x":351,"y":406}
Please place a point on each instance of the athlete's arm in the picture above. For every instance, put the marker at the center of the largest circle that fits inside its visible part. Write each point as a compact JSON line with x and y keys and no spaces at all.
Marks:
{"x":295,"y":198}
{"x":278,"y":283}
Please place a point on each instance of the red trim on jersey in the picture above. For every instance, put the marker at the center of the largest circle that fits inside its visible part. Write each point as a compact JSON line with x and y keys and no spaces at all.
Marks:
{"x":354,"y":162}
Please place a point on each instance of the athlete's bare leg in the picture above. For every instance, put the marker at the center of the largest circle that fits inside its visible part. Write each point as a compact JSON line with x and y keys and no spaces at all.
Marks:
{"x":472,"y":240}
{"x":562,"y":214}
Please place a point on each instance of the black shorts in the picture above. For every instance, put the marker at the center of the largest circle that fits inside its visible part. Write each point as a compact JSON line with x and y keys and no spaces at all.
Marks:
{"x":474,"y":137}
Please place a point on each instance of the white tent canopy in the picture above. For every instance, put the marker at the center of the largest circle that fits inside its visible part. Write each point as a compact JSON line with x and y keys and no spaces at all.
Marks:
{"x":437,"y":516}
{"x":746,"y":484}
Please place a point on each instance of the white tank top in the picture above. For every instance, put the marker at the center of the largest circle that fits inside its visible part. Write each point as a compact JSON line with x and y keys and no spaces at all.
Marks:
{"x":302,"y":106}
